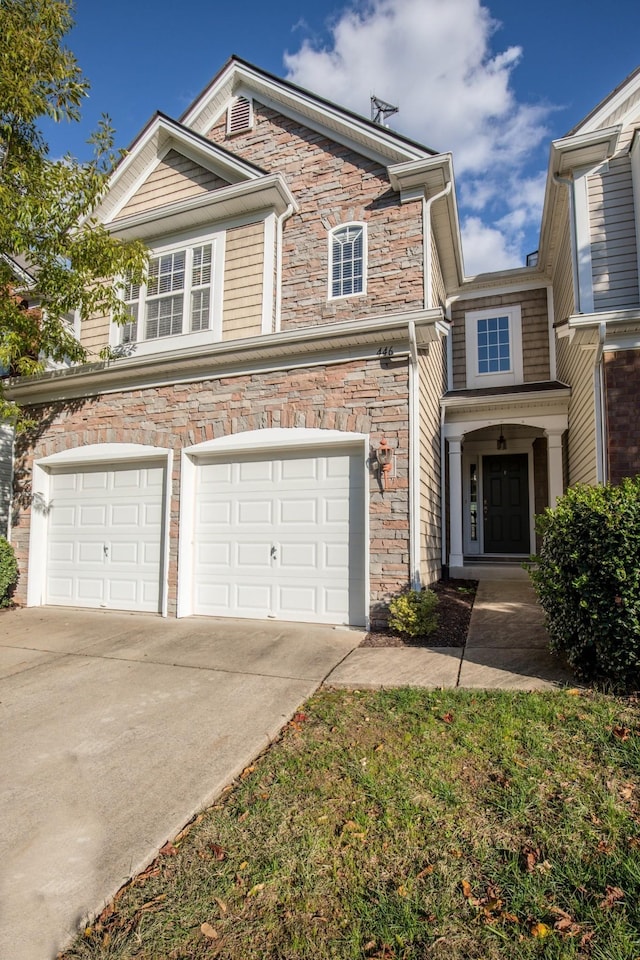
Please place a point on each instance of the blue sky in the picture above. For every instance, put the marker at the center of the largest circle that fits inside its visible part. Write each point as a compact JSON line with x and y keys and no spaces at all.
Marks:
{"x":493,"y":83}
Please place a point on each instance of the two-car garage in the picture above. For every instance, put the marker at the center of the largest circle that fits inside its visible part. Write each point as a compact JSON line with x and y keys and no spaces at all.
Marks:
{"x":271,"y":524}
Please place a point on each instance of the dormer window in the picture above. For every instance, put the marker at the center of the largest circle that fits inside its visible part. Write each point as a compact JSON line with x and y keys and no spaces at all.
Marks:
{"x":347,"y":260}
{"x":239,"y":115}
{"x":494,"y":347}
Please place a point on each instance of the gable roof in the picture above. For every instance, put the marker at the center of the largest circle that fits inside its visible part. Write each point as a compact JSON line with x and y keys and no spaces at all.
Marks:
{"x":240,"y":78}
{"x":609,"y":110}
{"x":160,"y":135}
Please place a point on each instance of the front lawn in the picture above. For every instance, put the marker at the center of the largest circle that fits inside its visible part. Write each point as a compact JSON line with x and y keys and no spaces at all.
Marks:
{"x":408,"y":824}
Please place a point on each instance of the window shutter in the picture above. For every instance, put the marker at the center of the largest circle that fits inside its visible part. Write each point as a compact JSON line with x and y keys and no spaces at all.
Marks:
{"x":240,"y":116}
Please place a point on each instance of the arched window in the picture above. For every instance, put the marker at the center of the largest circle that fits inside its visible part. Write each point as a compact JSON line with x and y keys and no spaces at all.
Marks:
{"x":347,"y":260}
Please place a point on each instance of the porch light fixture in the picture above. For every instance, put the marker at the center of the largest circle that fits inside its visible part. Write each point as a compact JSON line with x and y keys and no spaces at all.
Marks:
{"x":385,"y":459}
{"x":502,"y":443}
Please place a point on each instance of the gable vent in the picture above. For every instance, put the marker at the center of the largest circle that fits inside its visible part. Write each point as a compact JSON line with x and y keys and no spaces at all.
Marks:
{"x":240,"y":115}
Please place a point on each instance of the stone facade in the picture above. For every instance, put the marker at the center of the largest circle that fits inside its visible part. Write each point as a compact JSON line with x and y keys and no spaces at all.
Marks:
{"x":333,"y":185}
{"x":362,"y":397}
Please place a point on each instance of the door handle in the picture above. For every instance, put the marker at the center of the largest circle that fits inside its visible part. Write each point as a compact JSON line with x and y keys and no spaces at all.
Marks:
{"x":105,"y":550}
{"x":273,"y":552}
{"x":485,"y":508}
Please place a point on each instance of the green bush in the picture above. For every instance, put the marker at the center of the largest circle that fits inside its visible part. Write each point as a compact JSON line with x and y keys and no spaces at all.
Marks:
{"x":413,"y":613}
{"x":587,"y":577}
{"x":8,"y":572}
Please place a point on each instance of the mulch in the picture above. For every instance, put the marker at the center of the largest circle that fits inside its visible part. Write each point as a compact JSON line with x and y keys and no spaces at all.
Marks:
{"x":455,"y":602}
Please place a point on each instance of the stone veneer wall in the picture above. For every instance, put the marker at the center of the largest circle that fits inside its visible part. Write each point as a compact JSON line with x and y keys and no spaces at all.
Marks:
{"x":622,"y":376}
{"x":332,"y":185}
{"x":358,"y":396}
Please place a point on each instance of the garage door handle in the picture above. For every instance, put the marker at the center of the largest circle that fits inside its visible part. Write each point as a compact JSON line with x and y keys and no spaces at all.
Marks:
{"x":273,"y":553}
{"x":105,"y":550}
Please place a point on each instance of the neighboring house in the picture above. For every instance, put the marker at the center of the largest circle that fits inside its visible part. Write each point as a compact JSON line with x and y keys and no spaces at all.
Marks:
{"x":312,"y":407}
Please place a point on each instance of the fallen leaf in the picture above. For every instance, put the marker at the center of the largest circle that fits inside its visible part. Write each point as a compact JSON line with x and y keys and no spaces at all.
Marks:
{"x":217,"y":851}
{"x":466,"y":889}
{"x":626,"y":792}
{"x":243,"y":865}
{"x":300,"y":717}
{"x":243,"y":816}
{"x":207,"y":930}
{"x":540,"y":931}
{"x":622,"y":733}
{"x":574,"y":692}
{"x":247,"y":772}
{"x":221,"y":904}
{"x":88,"y":931}
{"x":256,"y":888}
{"x":425,"y":873}
{"x":168,"y":850}
{"x":447,"y":717}
{"x":612,"y":896}
{"x":529,"y":858}
{"x":153,"y":904}
{"x":604,"y":847}
{"x":402,"y":891}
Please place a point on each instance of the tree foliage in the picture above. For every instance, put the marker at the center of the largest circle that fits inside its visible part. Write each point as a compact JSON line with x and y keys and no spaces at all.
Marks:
{"x":47,"y":205}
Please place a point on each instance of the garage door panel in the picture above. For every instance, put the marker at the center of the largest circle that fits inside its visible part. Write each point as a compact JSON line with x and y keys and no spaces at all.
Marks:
{"x":93,"y":481}
{"x":251,"y":512}
{"x":255,"y":470}
{"x":105,"y":547}
{"x":291,"y":541}
{"x":298,"y":511}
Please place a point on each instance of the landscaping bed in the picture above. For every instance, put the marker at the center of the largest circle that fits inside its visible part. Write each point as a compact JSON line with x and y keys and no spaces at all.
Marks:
{"x":455,"y":602}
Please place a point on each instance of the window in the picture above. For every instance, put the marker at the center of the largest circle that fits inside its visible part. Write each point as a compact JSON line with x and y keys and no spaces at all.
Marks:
{"x":494,"y":347}
{"x":176,"y":299}
{"x":347,"y":261}
{"x":494,"y":353}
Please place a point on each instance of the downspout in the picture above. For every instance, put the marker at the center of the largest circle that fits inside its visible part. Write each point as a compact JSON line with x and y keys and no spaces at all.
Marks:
{"x":426,"y":233}
{"x":602,"y":466}
{"x":428,"y":297}
{"x":562,"y":181}
{"x":414,"y":460}
{"x":279,"y":232}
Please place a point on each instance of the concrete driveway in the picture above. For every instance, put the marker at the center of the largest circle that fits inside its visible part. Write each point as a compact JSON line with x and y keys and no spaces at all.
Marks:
{"x":116,"y":728}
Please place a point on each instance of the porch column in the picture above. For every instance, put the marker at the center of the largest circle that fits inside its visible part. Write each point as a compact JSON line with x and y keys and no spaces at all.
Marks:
{"x":455,"y":501}
{"x":554,"y":465}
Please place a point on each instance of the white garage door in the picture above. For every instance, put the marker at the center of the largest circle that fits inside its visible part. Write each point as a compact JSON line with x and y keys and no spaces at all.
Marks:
{"x":104,"y":537}
{"x":281,"y":537}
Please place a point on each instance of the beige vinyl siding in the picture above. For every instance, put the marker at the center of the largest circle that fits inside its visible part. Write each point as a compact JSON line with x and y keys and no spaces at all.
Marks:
{"x":438,"y":291}
{"x":94,"y":335}
{"x":175,"y":178}
{"x":563,"y":295}
{"x":576,"y":367}
{"x":243,"y":282}
{"x":535,"y":332}
{"x":614,"y":263}
{"x":432,"y":379}
{"x":6,"y":476}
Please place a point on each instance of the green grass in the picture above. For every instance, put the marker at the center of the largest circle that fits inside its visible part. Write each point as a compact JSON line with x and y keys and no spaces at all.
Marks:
{"x":408,"y":824}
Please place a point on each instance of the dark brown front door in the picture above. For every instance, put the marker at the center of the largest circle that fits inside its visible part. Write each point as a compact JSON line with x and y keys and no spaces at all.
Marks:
{"x":506,"y":503}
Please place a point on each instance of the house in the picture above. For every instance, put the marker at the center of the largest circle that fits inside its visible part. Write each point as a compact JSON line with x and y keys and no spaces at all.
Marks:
{"x":311,"y":406}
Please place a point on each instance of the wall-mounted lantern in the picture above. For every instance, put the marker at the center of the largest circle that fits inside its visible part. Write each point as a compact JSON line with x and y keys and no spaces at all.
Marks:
{"x":502,"y":442}
{"x":385,"y":460}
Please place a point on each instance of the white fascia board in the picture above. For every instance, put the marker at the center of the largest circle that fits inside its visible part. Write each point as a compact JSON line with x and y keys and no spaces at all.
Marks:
{"x":516,"y":280}
{"x":617,"y":317}
{"x":238,"y":199}
{"x":159,"y":137}
{"x":98,"y":452}
{"x":283,"y":350}
{"x":507,"y":400}
{"x":583,"y":150}
{"x":431,"y":174}
{"x":298,"y":104}
{"x":274,"y":437}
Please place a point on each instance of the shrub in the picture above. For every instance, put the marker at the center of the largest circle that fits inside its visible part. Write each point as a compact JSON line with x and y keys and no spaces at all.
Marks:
{"x":8,"y":572}
{"x":587,"y":578}
{"x":413,"y":613}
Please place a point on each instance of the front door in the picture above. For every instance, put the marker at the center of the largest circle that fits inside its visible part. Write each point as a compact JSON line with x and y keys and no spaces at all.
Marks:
{"x":506,"y":503}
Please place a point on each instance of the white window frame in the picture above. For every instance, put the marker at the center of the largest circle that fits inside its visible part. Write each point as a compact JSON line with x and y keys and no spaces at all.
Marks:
{"x":332,"y":233}
{"x":514,"y":375}
{"x":186,"y":337}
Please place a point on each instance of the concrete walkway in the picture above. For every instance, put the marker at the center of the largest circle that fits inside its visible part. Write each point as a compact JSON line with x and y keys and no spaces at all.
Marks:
{"x":506,"y":649}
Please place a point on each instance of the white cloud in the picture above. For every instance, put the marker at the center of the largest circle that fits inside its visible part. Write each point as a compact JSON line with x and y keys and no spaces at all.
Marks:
{"x":434,"y":59}
{"x":488,"y":248}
